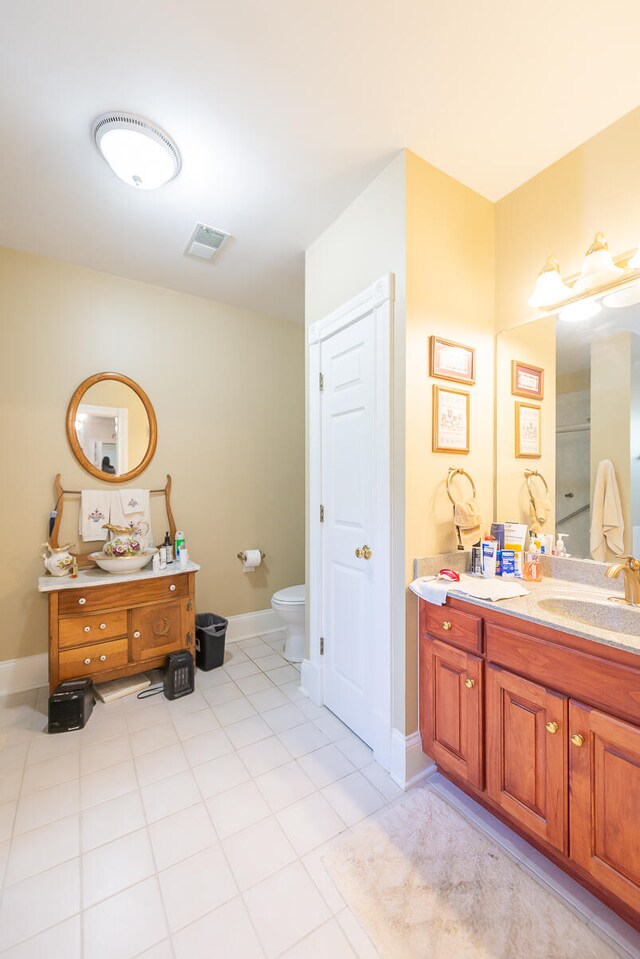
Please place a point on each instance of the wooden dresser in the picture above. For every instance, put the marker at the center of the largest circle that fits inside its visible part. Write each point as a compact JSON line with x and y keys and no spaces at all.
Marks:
{"x":105,"y":627}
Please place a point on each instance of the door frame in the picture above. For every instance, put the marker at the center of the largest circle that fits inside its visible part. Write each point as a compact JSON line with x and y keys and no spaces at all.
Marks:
{"x":378,"y":300}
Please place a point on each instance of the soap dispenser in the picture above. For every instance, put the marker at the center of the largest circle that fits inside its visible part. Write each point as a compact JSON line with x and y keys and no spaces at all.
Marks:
{"x":561,"y":549}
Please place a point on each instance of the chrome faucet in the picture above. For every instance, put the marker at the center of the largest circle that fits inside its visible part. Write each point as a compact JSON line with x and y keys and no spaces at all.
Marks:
{"x":631,"y":572}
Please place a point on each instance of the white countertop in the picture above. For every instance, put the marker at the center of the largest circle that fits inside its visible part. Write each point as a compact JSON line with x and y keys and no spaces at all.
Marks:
{"x":98,"y":577}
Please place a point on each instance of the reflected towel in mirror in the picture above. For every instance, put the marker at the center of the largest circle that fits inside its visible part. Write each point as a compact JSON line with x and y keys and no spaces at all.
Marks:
{"x":539,"y":511}
{"x":607,"y":520}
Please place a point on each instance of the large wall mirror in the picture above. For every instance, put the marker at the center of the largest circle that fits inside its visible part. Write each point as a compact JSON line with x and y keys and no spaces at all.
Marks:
{"x":590,"y":412}
{"x":111,"y":427}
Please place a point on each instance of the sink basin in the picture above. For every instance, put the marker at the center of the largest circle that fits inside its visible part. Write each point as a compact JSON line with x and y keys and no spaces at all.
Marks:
{"x":602,"y":613}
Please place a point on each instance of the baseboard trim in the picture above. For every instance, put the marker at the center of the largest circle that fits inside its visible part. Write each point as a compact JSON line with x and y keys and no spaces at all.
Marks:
{"x":409,"y":765}
{"x":248,"y":625}
{"x":28,"y":672}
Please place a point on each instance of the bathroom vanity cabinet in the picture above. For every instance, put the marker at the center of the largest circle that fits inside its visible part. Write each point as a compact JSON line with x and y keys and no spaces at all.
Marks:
{"x":543,"y":728}
{"x":107,"y":627}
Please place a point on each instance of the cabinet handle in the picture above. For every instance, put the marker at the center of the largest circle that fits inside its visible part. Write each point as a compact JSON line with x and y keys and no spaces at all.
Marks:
{"x":551,"y":728}
{"x":82,"y":601}
{"x":103,"y":658}
{"x":87,"y":662}
{"x":172,"y":587}
{"x":447,"y":625}
{"x":136,"y":635}
{"x":469,"y":683}
{"x":103,"y":625}
{"x":87,"y":629}
{"x":577,"y":739}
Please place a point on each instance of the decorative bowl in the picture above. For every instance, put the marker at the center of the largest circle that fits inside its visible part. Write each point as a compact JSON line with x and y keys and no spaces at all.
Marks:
{"x":123,"y":564}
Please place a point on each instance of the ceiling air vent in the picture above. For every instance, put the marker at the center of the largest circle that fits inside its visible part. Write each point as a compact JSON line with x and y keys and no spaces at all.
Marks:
{"x":205,"y":241}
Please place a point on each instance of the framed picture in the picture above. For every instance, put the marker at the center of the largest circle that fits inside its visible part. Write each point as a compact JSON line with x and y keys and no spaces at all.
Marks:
{"x":450,"y":420}
{"x":527,"y":380}
{"x":452,"y":361}
{"x":528,"y":431}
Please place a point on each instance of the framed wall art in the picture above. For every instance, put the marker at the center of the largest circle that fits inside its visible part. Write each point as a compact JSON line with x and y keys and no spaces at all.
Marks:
{"x":527,"y":380}
{"x":528,"y":431}
{"x":452,"y":361}
{"x":450,"y":420}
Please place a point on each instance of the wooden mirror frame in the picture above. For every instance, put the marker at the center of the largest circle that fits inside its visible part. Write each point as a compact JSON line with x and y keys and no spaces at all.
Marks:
{"x":72,"y":436}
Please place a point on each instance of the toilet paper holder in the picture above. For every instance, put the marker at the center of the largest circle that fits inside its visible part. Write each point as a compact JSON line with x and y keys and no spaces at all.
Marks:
{"x":243,"y":556}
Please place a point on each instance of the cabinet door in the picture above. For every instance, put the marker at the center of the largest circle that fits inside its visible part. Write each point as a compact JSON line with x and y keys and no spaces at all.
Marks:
{"x":604,"y":770}
{"x":451,"y":709}
{"x":527,"y":754}
{"x":158,"y":630}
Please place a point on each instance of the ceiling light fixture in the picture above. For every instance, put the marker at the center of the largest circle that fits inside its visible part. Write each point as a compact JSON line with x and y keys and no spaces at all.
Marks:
{"x":138,"y":151}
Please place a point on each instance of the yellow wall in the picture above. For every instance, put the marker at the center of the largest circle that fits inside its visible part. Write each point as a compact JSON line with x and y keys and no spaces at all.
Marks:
{"x":227,"y":387}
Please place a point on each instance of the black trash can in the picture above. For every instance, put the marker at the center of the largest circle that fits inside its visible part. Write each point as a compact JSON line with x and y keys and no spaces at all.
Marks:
{"x":211,"y":632}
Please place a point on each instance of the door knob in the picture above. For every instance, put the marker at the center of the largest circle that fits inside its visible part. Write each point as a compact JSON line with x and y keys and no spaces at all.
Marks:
{"x":551,"y":727}
{"x":364,"y":552}
{"x":469,"y":683}
{"x":577,"y":739}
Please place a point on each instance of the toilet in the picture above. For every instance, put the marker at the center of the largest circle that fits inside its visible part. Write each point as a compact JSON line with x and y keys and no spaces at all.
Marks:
{"x":290,"y":604}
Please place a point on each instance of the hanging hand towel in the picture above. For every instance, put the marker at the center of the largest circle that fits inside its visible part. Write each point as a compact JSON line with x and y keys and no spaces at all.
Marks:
{"x":467,"y":518}
{"x":431,"y":589}
{"x":124,"y":512}
{"x":607,"y":521}
{"x":539,"y":510}
{"x":94,"y":511}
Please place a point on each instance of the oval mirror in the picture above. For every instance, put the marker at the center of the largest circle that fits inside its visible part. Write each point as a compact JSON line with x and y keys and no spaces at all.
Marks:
{"x":111,"y":427}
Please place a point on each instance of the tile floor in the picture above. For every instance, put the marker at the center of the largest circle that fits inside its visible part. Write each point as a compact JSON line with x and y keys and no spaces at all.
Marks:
{"x":186,"y":829}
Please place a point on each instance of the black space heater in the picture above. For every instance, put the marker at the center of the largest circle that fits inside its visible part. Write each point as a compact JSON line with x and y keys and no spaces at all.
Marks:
{"x":179,"y":675}
{"x":70,"y":705}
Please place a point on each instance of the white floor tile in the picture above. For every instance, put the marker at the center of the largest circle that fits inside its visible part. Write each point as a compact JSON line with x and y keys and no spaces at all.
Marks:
{"x":102,"y":755}
{"x":233,"y":711}
{"x":234,"y":654}
{"x":151,"y":714}
{"x":99,"y":732}
{"x":5,"y":846}
{"x":63,"y":940}
{"x":220,"y":774}
{"x":181,"y":835}
{"x":110,"y":820}
{"x":314,"y":864}
{"x":224,"y":692}
{"x":206,"y":746}
{"x":195,"y":724}
{"x":192,"y":703}
{"x":325,"y":766}
{"x":360,"y":942}
{"x":237,"y":808}
{"x":254,"y":684}
{"x":285,"y":908}
{"x":10,"y":784}
{"x":228,"y":926}
{"x":292,"y":690}
{"x":44,"y":900}
{"x":267,"y":699}
{"x":107,"y":783}
{"x":253,"y":643}
{"x":206,"y":679}
{"x":258,"y":851}
{"x":153,"y":737}
{"x":285,"y":674}
{"x":115,"y":866}
{"x":47,"y":806}
{"x":247,"y":731}
{"x":355,"y":751}
{"x":48,"y":746}
{"x":264,"y":755}
{"x":7,"y":816}
{"x":152,"y":767}
{"x":331,"y":726}
{"x":170,"y":795}
{"x":33,"y":852}
{"x":303,"y":739}
{"x":309,"y":708}
{"x":284,"y":717}
{"x":195,"y":886}
{"x":353,"y":798}
{"x":326,"y":940}
{"x":310,"y":822}
{"x":14,"y":757}
{"x":162,"y":950}
{"x":51,"y":772}
{"x":240,"y":670}
{"x":258,"y":650}
{"x":274,"y":661}
{"x":382,"y":781}
{"x":126,"y":924}
{"x":284,"y":785}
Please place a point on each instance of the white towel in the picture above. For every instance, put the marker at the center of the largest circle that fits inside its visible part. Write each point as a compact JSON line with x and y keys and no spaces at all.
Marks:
{"x":435,"y":590}
{"x":607,"y":522}
{"x":432,"y":589}
{"x":94,"y":512}
{"x":140,"y":520}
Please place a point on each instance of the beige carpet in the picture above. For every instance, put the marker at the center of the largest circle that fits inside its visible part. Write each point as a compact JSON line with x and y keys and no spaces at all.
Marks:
{"x":426,"y":884}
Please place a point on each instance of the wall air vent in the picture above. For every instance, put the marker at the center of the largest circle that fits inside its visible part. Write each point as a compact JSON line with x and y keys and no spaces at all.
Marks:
{"x":205,"y":242}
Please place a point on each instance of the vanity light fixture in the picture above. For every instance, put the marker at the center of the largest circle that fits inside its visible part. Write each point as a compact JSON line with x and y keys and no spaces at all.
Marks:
{"x":549,"y":287}
{"x":579,"y":311}
{"x":598,"y":267}
{"x":138,"y":151}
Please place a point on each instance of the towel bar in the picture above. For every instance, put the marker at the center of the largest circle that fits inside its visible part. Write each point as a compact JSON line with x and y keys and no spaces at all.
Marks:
{"x":528,"y":475}
{"x":453,"y":471}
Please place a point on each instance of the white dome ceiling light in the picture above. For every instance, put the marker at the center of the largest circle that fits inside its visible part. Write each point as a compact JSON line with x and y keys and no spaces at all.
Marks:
{"x":138,"y":151}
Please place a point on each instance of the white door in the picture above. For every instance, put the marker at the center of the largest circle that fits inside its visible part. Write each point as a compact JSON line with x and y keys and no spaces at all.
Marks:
{"x":349,"y":529}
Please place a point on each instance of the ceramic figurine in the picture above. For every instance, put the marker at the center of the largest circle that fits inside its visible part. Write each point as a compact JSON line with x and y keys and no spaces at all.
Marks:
{"x":57,"y":559}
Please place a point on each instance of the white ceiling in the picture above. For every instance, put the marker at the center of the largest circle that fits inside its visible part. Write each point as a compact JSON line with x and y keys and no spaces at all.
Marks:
{"x":284,"y":111}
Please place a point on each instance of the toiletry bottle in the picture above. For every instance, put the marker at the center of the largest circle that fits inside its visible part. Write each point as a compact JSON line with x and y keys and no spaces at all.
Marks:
{"x":155,"y":562}
{"x":561,"y":549}
{"x":179,"y":543}
{"x":489,"y":558}
{"x":168,"y":549}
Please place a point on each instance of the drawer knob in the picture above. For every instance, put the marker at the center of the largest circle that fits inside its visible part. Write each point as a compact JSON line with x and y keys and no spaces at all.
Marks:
{"x":87,"y":629}
{"x":82,"y":600}
{"x":87,"y":662}
{"x":103,"y":658}
{"x":551,"y":728}
{"x":103,"y":625}
{"x":469,"y":683}
{"x":577,"y":739}
{"x":447,"y":625}
{"x":136,"y":635}
{"x":172,"y":587}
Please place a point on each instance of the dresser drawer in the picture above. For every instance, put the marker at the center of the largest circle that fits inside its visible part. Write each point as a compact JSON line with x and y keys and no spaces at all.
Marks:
{"x":92,"y":628}
{"x":123,"y":594}
{"x":89,"y":660}
{"x":451,"y":625}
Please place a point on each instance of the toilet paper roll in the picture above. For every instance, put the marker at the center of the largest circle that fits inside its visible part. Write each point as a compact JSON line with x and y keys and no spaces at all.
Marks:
{"x":253,"y":559}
